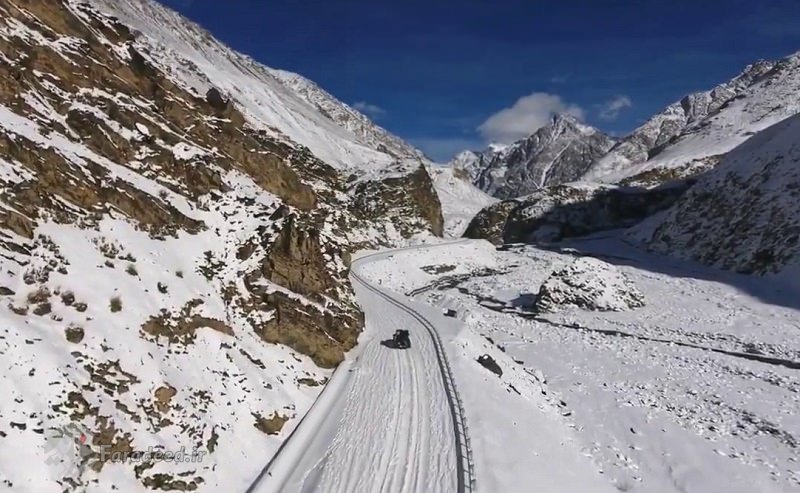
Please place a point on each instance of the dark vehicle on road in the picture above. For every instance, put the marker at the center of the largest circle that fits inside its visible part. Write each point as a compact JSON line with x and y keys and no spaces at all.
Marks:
{"x":401,"y":339}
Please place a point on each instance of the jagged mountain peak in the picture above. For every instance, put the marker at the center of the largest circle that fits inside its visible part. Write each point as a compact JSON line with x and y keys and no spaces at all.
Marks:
{"x":564,"y":123}
{"x":556,"y":153}
{"x":567,"y":121}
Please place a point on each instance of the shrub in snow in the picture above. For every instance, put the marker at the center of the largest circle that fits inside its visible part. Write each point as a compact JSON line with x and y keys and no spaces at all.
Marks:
{"x":590,"y":284}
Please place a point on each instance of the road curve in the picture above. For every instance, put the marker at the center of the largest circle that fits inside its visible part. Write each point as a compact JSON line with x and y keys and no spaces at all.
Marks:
{"x":388,"y":420}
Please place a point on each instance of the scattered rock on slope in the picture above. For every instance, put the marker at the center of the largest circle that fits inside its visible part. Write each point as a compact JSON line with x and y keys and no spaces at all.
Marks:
{"x":589,"y":284}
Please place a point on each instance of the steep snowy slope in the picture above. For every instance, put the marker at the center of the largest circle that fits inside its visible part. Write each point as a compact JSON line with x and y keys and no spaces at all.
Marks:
{"x":559,"y":152}
{"x":471,"y":163}
{"x":174,"y":263}
{"x":745,"y":214}
{"x":691,"y":134}
{"x":460,"y":199}
{"x":345,"y":116}
{"x":198,"y":62}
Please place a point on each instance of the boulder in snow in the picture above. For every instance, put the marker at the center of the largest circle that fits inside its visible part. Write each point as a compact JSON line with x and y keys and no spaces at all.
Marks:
{"x":490,"y":364}
{"x":590,"y":284}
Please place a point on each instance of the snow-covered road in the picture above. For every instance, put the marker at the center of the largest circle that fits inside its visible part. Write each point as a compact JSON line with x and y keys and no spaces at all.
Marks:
{"x":388,"y":420}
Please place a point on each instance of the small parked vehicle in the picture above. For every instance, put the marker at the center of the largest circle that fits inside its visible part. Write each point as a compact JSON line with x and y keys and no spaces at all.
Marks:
{"x":401,"y":339}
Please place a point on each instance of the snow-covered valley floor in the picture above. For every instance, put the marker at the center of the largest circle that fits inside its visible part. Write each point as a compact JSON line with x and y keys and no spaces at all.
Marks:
{"x":383,"y":423}
{"x":696,"y":391}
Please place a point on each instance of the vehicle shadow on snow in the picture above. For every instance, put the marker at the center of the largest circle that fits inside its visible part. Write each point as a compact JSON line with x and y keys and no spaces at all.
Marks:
{"x":391,"y":344}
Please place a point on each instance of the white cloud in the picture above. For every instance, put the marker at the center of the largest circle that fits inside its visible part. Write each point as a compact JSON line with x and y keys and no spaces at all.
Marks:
{"x":369,"y":109}
{"x":610,"y":109}
{"x":526,"y":116}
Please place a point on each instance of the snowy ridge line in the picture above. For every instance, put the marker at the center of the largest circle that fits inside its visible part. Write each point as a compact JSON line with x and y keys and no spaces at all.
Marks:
{"x":466,"y":469}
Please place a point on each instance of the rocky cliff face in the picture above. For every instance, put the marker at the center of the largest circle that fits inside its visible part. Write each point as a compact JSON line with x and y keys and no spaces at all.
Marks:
{"x":745,"y":214}
{"x":174,"y":245}
{"x":559,"y":152}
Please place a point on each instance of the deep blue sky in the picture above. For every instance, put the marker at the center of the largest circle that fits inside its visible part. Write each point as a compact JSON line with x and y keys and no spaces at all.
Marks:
{"x":436,"y":70}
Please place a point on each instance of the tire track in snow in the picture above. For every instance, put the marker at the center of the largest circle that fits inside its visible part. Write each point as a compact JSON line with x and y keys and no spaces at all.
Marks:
{"x":465,"y":469}
{"x":422,"y":467}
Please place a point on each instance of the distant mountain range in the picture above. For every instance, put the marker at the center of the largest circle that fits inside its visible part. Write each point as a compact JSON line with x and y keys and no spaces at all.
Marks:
{"x":686,"y":138}
{"x":714,"y":177}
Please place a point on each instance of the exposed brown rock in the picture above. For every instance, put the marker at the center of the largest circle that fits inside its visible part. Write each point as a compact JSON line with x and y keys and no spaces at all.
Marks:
{"x":163,"y":395}
{"x":74,"y":334}
{"x":272,"y":425}
{"x":295,"y":260}
{"x":409,"y":196}
{"x":180,"y":328}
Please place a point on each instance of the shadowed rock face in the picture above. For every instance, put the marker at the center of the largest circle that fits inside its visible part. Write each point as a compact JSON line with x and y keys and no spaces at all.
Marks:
{"x":490,"y":223}
{"x":567,"y":211}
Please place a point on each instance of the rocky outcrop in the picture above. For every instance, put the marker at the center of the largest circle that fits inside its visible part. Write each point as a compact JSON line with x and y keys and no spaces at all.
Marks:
{"x":589,"y":284}
{"x":411,"y":196}
{"x":564,"y":211}
{"x":490,"y":223}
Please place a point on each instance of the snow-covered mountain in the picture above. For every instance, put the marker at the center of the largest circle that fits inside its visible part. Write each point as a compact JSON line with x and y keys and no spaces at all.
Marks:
{"x":745,"y":214}
{"x":471,"y":163}
{"x":347,"y":117}
{"x":274,"y":101}
{"x":692,"y":134}
{"x":559,"y":152}
{"x":176,"y":226}
{"x":688,"y":137}
{"x":460,"y":199}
